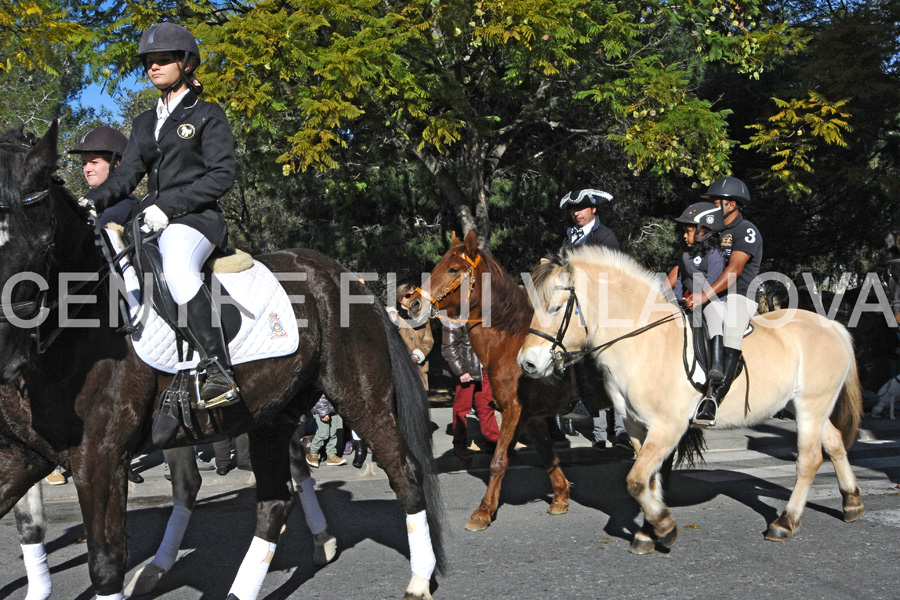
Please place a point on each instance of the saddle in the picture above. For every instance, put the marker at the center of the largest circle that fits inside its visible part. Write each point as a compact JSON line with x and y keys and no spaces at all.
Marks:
{"x":256,"y":313}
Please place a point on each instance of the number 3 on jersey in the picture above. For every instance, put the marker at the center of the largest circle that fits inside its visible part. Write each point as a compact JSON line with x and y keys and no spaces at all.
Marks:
{"x":751,"y":236}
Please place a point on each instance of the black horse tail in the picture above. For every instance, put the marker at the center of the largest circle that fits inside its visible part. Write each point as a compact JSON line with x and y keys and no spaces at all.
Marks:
{"x":411,"y":406}
{"x":691,"y":447}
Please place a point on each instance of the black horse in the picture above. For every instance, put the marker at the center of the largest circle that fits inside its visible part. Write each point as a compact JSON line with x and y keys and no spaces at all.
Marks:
{"x":86,"y":401}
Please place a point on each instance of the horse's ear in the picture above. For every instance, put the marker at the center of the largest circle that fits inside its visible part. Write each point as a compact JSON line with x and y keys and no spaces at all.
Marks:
{"x":454,"y":241}
{"x":545,"y":261}
{"x":40,"y":162}
{"x":472,"y":243}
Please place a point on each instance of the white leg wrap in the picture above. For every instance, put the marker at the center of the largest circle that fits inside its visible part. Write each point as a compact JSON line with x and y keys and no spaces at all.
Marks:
{"x":35,"y":558}
{"x":168,"y":549}
{"x":421,"y":554}
{"x":119,"y":596}
{"x":253,"y":570}
{"x":315,"y":519}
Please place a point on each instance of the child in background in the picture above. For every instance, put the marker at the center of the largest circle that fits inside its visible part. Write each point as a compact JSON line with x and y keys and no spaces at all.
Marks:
{"x":327,"y":424}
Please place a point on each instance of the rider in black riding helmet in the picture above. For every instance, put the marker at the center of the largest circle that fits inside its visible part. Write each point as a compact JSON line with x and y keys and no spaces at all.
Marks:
{"x":101,"y":149}
{"x":186,"y":149}
{"x":701,"y":264}
{"x":742,"y":245}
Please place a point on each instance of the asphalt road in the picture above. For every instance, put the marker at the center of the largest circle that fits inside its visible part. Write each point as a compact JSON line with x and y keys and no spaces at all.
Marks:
{"x":722,"y":508}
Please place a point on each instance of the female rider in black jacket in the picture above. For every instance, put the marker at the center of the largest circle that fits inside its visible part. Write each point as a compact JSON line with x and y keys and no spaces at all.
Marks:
{"x":186,"y":149}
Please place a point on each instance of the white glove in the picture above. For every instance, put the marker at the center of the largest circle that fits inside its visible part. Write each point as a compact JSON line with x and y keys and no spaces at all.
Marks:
{"x":89,"y":205}
{"x":154,"y":218}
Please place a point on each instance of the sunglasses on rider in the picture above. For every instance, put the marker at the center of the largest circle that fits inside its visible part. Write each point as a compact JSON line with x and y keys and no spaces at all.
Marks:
{"x":162,"y":59}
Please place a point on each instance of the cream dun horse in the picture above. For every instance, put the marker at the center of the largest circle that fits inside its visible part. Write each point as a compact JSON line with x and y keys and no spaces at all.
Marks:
{"x":598,"y":296}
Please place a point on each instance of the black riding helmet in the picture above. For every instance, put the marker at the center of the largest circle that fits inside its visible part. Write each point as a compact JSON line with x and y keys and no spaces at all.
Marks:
{"x":102,"y":140}
{"x":169,"y":37}
{"x":579,"y":199}
{"x":730,"y":188}
{"x":705,"y":216}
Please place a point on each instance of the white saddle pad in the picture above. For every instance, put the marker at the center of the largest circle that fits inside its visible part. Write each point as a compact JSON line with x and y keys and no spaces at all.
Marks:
{"x":269,"y":330}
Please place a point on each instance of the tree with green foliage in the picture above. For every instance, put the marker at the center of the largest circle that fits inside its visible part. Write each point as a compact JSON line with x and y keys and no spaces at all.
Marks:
{"x":479,"y":93}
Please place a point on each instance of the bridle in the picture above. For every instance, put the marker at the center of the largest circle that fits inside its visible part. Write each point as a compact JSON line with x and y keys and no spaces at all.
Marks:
{"x":456,"y":284}
{"x":29,"y":309}
{"x":38,"y":306}
{"x":562,"y":359}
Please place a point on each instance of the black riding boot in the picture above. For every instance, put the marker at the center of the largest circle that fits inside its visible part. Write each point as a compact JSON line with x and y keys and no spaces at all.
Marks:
{"x":206,"y":327}
{"x":570,"y":428}
{"x":707,"y":410}
{"x":716,"y":372}
{"x":360,"y":451}
{"x":554,"y":426}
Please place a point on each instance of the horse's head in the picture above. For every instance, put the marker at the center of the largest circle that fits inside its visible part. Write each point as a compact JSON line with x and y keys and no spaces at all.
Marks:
{"x":555,"y":302}
{"x":453,"y":281}
{"x":31,"y":226}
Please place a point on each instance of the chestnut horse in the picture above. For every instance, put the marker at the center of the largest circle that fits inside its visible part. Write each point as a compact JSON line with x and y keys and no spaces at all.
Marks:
{"x":86,"y":401}
{"x":624,"y":322}
{"x":523,"y":402}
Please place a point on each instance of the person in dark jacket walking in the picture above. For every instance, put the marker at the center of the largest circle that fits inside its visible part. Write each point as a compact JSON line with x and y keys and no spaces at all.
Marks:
{"x":473,"y":387}
{"x":587,"y":230}
{"x":186,"y":149}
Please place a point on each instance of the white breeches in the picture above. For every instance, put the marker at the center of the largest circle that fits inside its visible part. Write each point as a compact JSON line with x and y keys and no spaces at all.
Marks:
{"x":729,"y":316}
{"x":184,"y":250}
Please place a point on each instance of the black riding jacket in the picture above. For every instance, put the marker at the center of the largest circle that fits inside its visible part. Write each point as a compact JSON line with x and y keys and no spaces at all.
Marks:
{"x":188,"y":169}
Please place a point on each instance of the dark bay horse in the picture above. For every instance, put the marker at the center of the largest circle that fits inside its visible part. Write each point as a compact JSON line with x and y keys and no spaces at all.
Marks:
{"x":86,"y":400}
{"x":522,"y":401}
{"x":32,"y":525}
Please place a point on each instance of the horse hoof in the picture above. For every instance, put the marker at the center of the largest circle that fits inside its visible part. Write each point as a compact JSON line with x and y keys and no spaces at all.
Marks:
{"x":325,"y":549}
{"x":418,"y":589}
{"x":477,"y":524}
{"x":641,"y":545}
{"x":144,"y":581}
{"x":852,"y":513}
{"x":558,"y":508}
{"x":777,"y":533}
{"x":668,"y":539}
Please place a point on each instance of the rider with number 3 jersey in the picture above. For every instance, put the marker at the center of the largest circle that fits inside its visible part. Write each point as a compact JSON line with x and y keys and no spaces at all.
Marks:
{"x":743,"y":247}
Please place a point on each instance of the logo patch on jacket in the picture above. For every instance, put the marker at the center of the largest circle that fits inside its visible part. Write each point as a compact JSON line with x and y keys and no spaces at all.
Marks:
{"x":186,"y":131}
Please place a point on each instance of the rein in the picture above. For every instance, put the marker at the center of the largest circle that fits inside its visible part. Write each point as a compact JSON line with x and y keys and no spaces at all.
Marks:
{"x":436,"y":301}
{"x":564,"y":359}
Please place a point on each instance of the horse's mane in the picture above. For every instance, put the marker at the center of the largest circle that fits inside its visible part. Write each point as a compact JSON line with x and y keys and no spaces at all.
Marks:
{"x":597,"y":256}
{"x":510,"y":309}
{"x":14,"y":146}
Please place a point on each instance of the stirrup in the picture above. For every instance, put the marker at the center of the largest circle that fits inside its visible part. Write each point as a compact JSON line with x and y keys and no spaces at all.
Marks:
{"x":706,"y":418}
{"x":226,"y":398}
